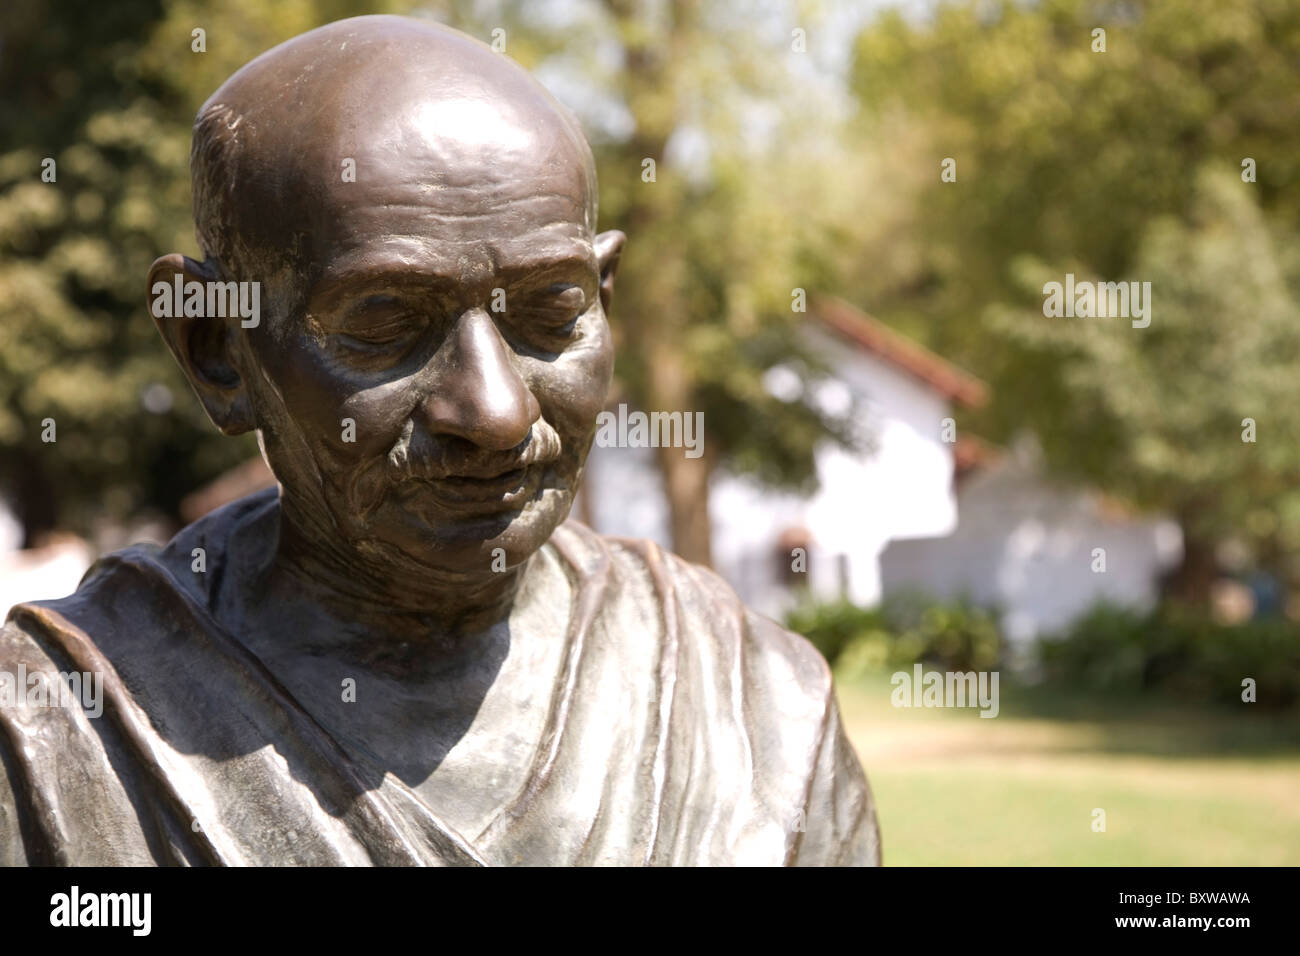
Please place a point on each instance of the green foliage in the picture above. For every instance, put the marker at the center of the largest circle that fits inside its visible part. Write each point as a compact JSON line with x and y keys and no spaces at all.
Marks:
{"x":1177,"y":653}
{"x":832,"y":626}
{"x":1116,"y":165}
{"x":1106,"y":649}
{"x":952,"y":635}
{"x":1174,"y":651}
{"x":955,"y":636}
{"x":76,"y":344}
{"x":1161,"y":410}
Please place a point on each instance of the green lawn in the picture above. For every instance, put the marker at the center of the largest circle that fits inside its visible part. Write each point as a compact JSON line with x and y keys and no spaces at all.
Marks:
{"x":1180,"y":786}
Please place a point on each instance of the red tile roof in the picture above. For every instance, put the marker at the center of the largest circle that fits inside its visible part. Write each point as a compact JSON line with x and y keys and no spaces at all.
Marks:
{"x":879,"y":339}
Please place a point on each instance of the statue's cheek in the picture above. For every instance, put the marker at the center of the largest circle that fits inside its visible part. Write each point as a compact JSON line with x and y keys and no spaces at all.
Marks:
{"x":572,"y":389}
{"x":595,"y":357}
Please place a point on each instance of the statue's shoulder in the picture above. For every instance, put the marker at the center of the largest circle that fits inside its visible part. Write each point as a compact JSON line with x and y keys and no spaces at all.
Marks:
{"x":145,"y":576}
{"x":123,"y":635}
{"x":710,"y":616}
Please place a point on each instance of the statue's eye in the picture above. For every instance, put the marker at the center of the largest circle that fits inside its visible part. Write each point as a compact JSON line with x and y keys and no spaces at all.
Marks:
{"x":381,"y":321}
{"x":385,"y":334}
{"x":557,"y":310}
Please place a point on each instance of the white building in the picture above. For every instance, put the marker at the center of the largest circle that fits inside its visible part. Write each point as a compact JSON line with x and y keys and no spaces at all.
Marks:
{"x":1042,"y":553}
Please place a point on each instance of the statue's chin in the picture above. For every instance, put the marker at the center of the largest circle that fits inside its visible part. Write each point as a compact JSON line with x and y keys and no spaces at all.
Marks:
{"x":468,"y":540}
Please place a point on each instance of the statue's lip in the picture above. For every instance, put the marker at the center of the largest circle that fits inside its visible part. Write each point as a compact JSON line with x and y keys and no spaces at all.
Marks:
{"x":509,"y":489}
{"x":472,"y":479}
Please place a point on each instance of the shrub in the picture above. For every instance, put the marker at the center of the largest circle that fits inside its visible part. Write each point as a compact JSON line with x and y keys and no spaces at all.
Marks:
{"x":1177,"y":652}
{"x":957,"y":635}
{"x":1171,"y":651}
{"x":952,"y":635}
{"x":831,"y":626}
{"x":1105,"y":649}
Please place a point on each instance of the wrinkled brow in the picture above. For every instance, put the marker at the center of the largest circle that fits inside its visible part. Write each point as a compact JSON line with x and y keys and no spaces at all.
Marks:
{"x":430,"y":276}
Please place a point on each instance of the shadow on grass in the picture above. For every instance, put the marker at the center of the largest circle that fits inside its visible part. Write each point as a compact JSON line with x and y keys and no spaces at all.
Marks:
{"x":1145,"y":724}
{"x":1156,"y":725}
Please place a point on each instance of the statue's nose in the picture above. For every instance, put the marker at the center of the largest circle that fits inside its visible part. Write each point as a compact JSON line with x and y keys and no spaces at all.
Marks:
{"x":479,"y":395}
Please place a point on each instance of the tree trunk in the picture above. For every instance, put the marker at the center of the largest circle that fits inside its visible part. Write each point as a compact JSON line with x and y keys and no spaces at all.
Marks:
{"x":1190,"y":582}
{"x":686,"y":480}
{"x":34,"y":503}
{"x":655,"y":330}
{"x":686,"y":483}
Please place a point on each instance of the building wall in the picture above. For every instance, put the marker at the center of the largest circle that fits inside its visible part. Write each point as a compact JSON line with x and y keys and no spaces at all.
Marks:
{"x":1027,"y":547}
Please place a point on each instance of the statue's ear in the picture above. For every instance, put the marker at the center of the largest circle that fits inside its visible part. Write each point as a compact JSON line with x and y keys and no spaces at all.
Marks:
{"x":609,"y":248}
{"x":202,"y":346}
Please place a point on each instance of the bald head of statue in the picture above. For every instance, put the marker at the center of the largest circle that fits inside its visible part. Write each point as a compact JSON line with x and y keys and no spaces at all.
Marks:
{"x":432,"y":348}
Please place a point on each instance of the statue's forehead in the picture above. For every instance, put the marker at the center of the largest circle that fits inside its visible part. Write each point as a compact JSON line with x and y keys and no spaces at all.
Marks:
{"x":447,"y":212}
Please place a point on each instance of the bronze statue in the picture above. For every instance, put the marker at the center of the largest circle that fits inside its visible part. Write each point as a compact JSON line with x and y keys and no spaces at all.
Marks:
{"x":404,"y":655}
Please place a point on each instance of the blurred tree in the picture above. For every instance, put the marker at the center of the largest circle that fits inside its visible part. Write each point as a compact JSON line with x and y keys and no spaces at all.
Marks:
{"x":1103,"y":164}
{"x":1195,"y":415}
{"x":72,"y":254}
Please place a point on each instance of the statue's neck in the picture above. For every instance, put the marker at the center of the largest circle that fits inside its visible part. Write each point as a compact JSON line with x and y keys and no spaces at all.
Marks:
{"x":380,"y":593}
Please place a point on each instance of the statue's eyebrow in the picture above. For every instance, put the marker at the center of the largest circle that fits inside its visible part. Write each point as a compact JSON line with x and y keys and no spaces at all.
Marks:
{"x":575,"y":265}
{"x":412,"y":276}
{"x":368,"y":280}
